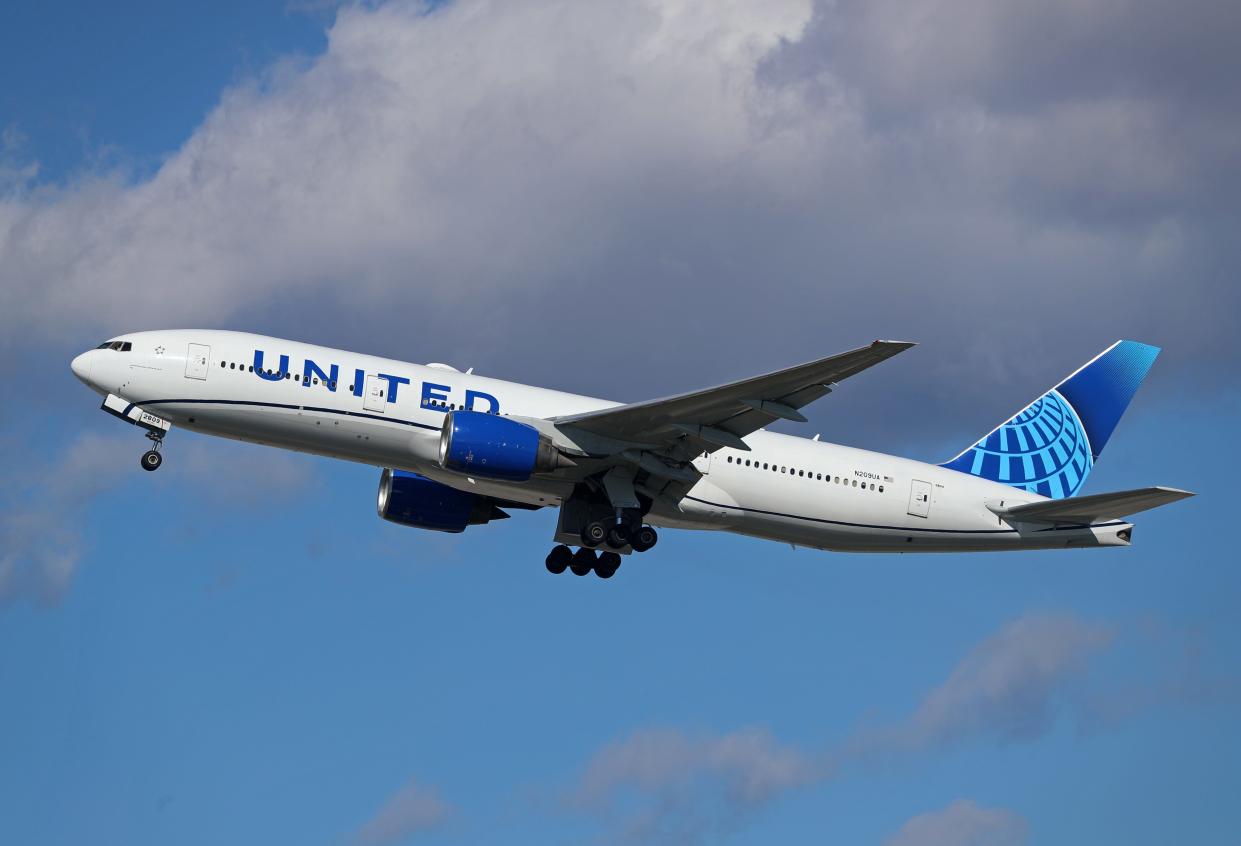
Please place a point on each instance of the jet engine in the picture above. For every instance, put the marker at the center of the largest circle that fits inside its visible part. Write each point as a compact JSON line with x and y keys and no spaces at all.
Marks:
{"x":493,"y":447}
{"x":413,"y":500}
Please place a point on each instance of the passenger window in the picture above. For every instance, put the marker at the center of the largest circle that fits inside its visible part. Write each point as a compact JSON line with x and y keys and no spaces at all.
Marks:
{"x":222,"y":364}
{"x":232,"y":365}
{"x":881,"y":489}
{"x":819,"y":477}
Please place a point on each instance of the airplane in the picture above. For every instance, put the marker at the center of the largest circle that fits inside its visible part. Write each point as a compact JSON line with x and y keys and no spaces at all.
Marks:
{"x":457,"y":449}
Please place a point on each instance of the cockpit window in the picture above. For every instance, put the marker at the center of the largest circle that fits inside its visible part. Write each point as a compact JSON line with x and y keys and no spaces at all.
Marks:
{"x":104,"y":345}
{"x":119,"y":346}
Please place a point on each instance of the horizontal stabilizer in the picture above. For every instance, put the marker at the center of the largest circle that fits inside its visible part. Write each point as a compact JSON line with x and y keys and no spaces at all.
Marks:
{"x":1088,"y":509}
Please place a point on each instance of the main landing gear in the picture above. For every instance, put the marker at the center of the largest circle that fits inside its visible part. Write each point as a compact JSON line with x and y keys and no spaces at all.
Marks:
{"x":151,"y":459}
{"x":604,"y":564}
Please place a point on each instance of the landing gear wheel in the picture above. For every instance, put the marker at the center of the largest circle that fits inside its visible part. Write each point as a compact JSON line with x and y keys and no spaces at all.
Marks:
{"x":607,"y":565}
{"x":618,"y":536}
{"x":583,"y":561}
{"x":558,"y":559}
{"x":643,"y":538}
{"x":151,"y":460}
{"x":594,"y":534}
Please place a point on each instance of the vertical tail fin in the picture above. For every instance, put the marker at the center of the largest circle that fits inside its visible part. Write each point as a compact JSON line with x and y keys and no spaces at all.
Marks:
{"x":1050,"y":445}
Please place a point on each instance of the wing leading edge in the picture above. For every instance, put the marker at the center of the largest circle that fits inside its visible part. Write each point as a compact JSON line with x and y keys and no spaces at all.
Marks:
{"x":723,"y":415}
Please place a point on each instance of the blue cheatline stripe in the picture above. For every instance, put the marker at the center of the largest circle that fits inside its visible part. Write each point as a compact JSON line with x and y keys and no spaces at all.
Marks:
{"x":291,"y":408}
{"x":902,"y":529}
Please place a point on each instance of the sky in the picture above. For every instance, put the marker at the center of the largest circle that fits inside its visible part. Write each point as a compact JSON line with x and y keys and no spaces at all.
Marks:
{"x":625,"y":200}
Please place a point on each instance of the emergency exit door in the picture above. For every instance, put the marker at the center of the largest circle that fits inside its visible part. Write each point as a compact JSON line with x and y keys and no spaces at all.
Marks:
{"x":920,"y":498}
{"x":197,"y":358}
{"x":373,"y":398}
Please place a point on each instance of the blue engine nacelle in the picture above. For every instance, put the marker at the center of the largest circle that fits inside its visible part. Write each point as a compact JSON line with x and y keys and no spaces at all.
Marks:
{"x":413,"y":500}
{"x":493,"y":447}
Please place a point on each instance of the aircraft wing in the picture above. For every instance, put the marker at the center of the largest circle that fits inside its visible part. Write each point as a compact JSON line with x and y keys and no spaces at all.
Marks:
{"x":688,"y":424}
{"x":1089,"y":509}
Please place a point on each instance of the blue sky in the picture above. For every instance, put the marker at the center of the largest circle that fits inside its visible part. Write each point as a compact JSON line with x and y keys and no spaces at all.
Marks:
{"x":625,"y":203}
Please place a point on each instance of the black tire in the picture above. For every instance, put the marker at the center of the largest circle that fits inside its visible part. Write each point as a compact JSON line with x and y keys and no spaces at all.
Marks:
{"x":558,"y":559}
{"x":618,"y":536}
{"x":608,"y":564}
{"x":583,"y":561}
{"x":594,"y":534}
{"x":151,"y":460}
{"x":643,"y":538}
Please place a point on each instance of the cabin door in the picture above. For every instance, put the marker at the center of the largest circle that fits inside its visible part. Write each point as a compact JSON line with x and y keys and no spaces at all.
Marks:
{"x":920,"y":498}
{"x":373,"y":398}
{"x":197,"y":358}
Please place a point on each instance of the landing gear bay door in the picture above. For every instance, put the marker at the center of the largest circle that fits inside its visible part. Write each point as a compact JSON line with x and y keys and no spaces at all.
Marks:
{"x":131,"y":413}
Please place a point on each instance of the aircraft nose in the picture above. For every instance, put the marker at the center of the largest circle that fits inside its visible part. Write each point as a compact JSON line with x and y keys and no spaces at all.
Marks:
{"x":81,"y":367}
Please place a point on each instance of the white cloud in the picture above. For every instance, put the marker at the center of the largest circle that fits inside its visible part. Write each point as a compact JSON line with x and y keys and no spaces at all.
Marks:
{"x":448,"y":181}
{"x":667,"y":785}
{"x":1008,"y":687}
{"x":963,"y":823}
{"x":42,"y":542}
{"x":412,"y":810}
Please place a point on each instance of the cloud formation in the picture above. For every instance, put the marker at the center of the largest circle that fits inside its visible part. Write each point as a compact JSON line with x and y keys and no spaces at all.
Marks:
{"x":963,"y":823}
{"x":443,"y":180}
{"x":1009,"y":685}
{"x":40,"y":544}
{"x":47,"y":502}
{"x":412,"y":810}
{"x":665,"y":785}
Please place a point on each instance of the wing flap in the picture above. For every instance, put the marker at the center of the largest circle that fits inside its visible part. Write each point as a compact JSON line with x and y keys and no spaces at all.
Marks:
{"x":1089,"y":509}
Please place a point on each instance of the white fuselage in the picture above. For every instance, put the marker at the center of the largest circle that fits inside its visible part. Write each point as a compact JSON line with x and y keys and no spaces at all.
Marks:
{"x":389,"y":413}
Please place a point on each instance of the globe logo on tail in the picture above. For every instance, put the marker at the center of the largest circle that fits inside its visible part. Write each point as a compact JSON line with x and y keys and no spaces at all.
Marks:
{"x":1043,"y":449}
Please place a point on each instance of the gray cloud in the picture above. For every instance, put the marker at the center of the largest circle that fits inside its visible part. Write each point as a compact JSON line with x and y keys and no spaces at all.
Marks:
{"x":637,"y":182}
{"x":412,"y":810}
{"x":665,"y":785}
{"x":1009,"y":687}
{"x":963,"y":823}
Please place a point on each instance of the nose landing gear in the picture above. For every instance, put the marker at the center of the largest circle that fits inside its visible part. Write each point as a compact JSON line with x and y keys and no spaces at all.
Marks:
{"x":151,"y":459}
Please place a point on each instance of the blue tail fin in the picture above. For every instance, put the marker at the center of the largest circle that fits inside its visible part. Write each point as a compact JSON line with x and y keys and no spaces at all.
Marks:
{"x":1050,"y":445}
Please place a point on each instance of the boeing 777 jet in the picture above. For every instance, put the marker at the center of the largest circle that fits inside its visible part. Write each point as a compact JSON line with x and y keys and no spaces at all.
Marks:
{"x":458,"y":449}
